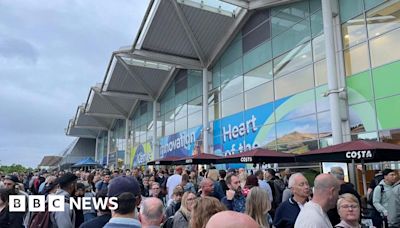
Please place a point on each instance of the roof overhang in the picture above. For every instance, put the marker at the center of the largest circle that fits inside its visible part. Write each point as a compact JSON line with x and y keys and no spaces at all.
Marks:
{"x":74,"y":131}
{"x":188,"y":29}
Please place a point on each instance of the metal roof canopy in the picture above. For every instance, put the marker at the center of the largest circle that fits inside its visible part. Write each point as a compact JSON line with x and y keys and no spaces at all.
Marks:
{"x":81,"y":132}
{"x":186,"y":29}
{"x":82,"y":120}
{"x":194,"y":29}
{"x":108,"y":105}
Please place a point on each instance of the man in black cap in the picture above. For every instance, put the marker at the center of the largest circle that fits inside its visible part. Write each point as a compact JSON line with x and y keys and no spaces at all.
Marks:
{"x":65,"y":218}
{"x":127,"y":191}
{"x":11,"y":184}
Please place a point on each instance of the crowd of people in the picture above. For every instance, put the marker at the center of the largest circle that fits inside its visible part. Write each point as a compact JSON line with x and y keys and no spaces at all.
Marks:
{"x":179,"y":198}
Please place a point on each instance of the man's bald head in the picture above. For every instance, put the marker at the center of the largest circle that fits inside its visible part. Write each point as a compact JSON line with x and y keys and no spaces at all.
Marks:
{"x":151,"y":212}
{"x":231,"y":219}
{"x":325,"y":181}
{"x":326,"y":190}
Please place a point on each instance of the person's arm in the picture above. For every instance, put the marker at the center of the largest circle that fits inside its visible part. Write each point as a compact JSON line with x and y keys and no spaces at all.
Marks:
{"x":227,"y":203}
{"x":377,"y":198}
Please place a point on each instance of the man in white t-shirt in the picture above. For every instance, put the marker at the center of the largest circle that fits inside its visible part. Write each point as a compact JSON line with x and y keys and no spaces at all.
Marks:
{"x":173,"y":181}
{"x":313,"y":215}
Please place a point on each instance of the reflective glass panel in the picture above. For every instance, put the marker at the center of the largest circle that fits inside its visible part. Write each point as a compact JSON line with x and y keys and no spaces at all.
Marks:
{"x":353,"y":32}
{"x":295,"y":82}
{"x":356,"y":59}
{"x":383,"y":18}
{"x":384,"y":49}
{"x":258,"y":76}
{"x":293,"y":60}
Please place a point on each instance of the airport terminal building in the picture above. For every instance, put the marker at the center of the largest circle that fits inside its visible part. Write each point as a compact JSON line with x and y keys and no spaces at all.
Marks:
{"x":226,"y":76}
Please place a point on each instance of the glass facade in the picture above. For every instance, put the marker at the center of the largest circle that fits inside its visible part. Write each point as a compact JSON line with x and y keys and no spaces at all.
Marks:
{"x":369,"y":36}
{"x":102,"y":143}
{"x":117,"y":154}
{"x":266,"y":88}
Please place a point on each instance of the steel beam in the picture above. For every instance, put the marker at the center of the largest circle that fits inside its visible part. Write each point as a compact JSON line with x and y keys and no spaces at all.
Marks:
{"x":185,"y":24}
{"x":125,"y":95}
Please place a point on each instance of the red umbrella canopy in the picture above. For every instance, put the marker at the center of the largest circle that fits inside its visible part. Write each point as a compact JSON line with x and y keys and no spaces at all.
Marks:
{"x":202,"y":158}
{"x":259,"y":155}
{"x":357,"y":150}
{"x":163,"y":161}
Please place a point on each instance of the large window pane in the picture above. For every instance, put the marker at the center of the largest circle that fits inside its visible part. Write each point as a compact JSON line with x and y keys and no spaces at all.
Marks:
{"x":385,"y":48}
{"x":293,"y":60}
{"x":195,"y":119}
{"x":181,"y":124}
{"x":324,"y":124}
{"x":255,"y":20}
{"x":383,"y":18}
{"x":257,"y":36}
{"x":317,"y":23}
{"x":170,"y":128}
{"x":195,"y":105}
{"x":259,"y":95}
{"x":258,"y":76}
{"x":257,"y":56}
{"x":181,"y":111}
{"x":315,"y":5}
{"x":300,"y":104}
{"x":296,"y":35}
{"x":318,"y":44}
{"x":388,"y":110}
{"x":304,"y":128}
{"x":287,"y":15}
{"x":359,"y":88}
{"x":320,"y":73}
{"x":362,"y":117}
{"x":295,"y":82}
{"x":349,"y":9}
{"x":356,"y":59}
{"x":387,"y":80}
{"x":232,"y":53}
{"x":231,"y":88}
{"x":354,"y":32}
{"x":322,"y":101}
{"x":231,"y":71}
{"x":216,"y":75}
{"x":232,"y":105}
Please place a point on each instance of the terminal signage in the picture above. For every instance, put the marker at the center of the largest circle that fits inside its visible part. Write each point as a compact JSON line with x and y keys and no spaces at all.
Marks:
{"x":181,"y":144}
{"x":246,"y":159}
{"x":240,"y":132}
{"x":359,"y":154}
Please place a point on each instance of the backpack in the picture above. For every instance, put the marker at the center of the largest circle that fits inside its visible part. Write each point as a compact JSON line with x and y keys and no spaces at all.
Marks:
{"x":371,"y":195}
{"x":41,"y":219}
{"x":169,"y":223}
{"x":279,"y":187}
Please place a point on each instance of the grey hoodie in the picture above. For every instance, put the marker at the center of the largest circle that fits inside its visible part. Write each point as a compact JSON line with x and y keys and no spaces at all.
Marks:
{"x":381,"y":200}
{"x":394,"y":207}
{"x":66,"y":218}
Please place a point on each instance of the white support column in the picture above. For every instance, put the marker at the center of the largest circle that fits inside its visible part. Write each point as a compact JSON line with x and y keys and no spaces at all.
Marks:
{"x":126,"y":155}
{"x":156,"y":155}
{"x":108,"y":147}
{"x":96,"y":150}
{"x":206,"y":149}
{"x":333,"y":92}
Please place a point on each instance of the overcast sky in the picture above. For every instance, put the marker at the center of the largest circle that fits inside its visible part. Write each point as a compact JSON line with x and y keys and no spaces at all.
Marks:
{"x":51,"y":53}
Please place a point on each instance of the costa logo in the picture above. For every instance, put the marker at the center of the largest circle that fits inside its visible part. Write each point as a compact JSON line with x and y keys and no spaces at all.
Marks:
{"x":246,"y":159}
{"x":359,"y":154}
{"x":189,"y":161}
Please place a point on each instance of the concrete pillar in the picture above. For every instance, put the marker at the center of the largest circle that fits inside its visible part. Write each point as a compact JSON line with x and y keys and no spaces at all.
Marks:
{"x":206,"y":74}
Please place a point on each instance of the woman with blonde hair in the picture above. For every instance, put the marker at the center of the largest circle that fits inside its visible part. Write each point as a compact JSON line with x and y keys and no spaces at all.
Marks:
{"x":182,"y":216}
{"x":258,"y":205}
{"x":203,"y":209}
{"x":349,"y":211}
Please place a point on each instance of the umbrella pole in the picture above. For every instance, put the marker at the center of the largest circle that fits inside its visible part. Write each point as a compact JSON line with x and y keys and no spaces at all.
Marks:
{"x":364,"y":179}
{"x":353,"y":174}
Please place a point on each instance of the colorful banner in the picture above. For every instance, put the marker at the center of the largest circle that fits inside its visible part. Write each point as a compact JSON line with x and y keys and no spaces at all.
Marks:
{"x":238,"y":132}
{"x":141,"y":154}
{"x":182,"y":144}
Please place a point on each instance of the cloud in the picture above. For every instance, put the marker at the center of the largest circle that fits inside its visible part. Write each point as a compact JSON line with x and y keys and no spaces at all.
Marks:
{"x":51,"y":53}
{"x":18,"y":49}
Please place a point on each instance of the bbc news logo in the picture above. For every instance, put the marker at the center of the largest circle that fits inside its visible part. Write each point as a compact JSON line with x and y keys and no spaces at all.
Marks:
{"x":37,"y":203}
